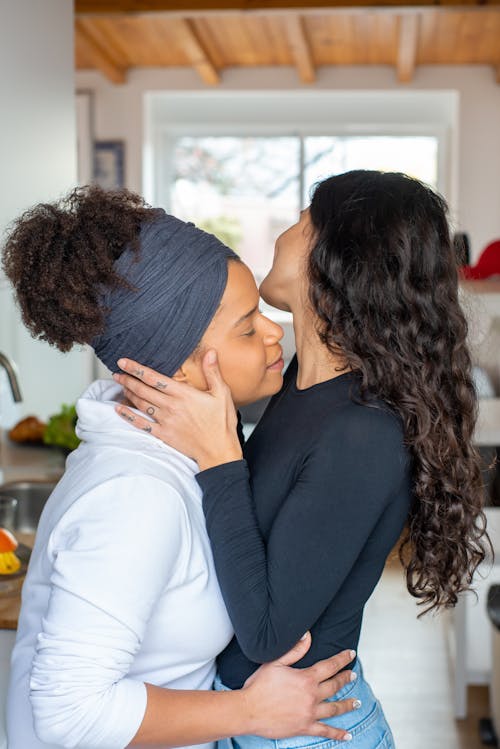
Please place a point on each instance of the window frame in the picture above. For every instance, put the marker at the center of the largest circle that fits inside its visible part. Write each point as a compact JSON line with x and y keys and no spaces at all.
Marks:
{"x":166,"y":135}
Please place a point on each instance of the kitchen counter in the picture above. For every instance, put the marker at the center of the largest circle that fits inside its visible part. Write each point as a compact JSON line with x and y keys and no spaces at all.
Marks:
{"x":18,"y":462}
{"x":488,"y":423}
{"x":10,"y":605}
{"x":486,"y":286}
{"x":10,"y":600}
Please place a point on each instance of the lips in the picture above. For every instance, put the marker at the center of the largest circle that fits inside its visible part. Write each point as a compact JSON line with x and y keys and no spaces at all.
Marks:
{"x":276,"y":361}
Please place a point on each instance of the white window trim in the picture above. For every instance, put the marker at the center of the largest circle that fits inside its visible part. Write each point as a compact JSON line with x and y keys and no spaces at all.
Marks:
{"x":329,"y":112}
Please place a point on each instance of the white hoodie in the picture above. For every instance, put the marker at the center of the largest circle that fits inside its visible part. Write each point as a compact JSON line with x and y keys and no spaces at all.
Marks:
{"x":121,"y":589}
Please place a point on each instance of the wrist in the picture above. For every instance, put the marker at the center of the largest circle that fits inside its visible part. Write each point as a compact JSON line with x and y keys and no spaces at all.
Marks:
{"x":249,"y":712}
{"x":218,"y":457}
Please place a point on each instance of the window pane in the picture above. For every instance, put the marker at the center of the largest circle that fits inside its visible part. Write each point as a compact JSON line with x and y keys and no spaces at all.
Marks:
{"x":327,"y":155}
{"x":243,"y":189}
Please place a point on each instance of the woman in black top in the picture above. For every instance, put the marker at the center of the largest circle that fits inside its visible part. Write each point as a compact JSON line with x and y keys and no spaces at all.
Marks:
{"x":372,"y":429}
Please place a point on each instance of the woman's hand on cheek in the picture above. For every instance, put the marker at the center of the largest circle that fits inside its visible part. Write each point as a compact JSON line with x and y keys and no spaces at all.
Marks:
{"x":199,"y":424}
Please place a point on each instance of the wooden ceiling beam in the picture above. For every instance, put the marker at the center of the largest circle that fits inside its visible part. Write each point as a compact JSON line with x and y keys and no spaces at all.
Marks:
{"x":99,"y":56}
{"x":407,"y":47}
{"x":300,"y":49}
{"x":197,"y":7}
{"x":198,"y":56}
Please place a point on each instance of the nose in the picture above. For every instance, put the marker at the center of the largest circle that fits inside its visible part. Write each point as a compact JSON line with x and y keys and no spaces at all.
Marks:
{"x":273,"y":332}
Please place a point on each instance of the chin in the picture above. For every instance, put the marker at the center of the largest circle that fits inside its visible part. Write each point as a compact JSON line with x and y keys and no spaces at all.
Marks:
{"x":272,"y":295}
{"x":273,"y":387}
{"x":266,"y":392}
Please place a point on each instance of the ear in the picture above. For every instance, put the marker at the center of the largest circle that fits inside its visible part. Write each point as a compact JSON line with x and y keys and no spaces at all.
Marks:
{"x":180,"y":375}
{"x":191,"y":373}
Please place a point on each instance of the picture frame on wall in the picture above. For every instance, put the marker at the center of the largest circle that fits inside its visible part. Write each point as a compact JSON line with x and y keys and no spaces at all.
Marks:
{"x":109,"y":164}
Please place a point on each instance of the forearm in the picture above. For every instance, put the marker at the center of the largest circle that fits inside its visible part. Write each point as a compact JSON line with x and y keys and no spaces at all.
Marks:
{"x":241,"y":563}
{"x":267,"y":611}
{"x":181,"y":717}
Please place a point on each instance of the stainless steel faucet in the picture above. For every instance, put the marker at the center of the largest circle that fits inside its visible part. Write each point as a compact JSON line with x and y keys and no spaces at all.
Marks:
{"x":10,"y":368}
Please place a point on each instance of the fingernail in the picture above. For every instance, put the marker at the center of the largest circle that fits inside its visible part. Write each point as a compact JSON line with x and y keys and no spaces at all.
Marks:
{"x":354,"y":676}
{"x":304,"y":636}
{"x":211,"y":357}
{"x":116,"y":376}
{"x":348,"y":737}
{"x":356,"y":704}
{"x":352,"y":653}
{"x":122,"y":363}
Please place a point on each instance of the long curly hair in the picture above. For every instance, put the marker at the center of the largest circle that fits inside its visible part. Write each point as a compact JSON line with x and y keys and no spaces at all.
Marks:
{"x":384,"y":287}
{"x":60,"y":256}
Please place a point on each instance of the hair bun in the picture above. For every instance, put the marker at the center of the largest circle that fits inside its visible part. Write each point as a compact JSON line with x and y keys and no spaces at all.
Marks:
{"x":59,"y":256}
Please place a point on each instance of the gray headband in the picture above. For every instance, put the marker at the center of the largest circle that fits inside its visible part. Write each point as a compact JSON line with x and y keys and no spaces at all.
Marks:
{"x":179,"y":277}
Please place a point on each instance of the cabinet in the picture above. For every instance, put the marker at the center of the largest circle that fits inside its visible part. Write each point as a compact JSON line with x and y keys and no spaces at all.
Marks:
{"x":7,"y":638}
{"x":471,"y":635}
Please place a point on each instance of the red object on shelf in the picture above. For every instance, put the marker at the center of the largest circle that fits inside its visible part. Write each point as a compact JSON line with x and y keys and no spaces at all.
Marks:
{"x":487,"y":266}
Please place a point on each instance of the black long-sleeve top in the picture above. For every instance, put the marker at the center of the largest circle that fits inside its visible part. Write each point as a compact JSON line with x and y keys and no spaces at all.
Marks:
{"x":302,"y":527}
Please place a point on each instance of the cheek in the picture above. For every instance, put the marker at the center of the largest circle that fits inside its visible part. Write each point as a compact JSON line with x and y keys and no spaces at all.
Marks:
{"x":244,"y":368}
{"x":196,"y":377}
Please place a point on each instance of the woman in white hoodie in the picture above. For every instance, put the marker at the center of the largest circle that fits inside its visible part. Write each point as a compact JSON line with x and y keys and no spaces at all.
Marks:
{"x":122,"y":615}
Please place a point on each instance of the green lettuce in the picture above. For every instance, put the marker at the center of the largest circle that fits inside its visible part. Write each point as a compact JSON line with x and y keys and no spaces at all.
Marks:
{"x":60,"y":429}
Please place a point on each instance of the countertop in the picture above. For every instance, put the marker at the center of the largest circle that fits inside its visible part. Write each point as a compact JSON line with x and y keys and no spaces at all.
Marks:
{"x":486,"y":286}
{"x":29,"y":462}
{"x":488,"y":423}
{"x":10,"y":600}
{"x":24,"y":462}
{"x":10,"y":606}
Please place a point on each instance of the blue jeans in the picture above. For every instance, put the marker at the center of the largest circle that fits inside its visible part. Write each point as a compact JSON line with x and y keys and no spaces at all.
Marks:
{"x":367,"y":725}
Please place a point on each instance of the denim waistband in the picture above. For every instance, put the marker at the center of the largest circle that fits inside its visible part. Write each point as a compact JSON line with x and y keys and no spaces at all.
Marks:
{"x":365,"y":724}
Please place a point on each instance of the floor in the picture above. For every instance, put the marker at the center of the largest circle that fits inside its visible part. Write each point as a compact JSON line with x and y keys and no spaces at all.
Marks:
{"x":408,"y":665}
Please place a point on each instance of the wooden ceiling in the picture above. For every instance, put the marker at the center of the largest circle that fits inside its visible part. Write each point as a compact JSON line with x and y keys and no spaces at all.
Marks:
{"x":114,"y":36}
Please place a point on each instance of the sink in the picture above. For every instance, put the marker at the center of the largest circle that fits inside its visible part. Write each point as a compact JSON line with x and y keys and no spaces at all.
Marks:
{"x":31,"y":497}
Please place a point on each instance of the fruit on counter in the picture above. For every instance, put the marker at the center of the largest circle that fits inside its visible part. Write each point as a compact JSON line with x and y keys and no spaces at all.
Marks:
{"x":60,"y":430}
{"x":29,"y":429}
{"x":9,"y":562}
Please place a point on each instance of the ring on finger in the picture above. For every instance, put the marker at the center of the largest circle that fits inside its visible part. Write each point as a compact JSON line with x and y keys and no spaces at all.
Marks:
{"x":150,"y":410}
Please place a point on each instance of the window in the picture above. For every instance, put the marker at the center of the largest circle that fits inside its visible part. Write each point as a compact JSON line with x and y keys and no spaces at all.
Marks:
{"x":413,"y":155}
{"x":243,"y":189}
{"x":242,"y":163}
{"x":247,"y":189}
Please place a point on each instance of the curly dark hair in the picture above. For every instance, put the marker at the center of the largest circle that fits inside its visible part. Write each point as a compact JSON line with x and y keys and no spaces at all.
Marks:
{"x":59,"y":257}
{"x":384,"y":285}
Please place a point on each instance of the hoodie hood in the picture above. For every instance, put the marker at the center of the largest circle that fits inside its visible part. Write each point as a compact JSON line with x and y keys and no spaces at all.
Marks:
{"x":99,"y":424}
{"x":96,"y":411}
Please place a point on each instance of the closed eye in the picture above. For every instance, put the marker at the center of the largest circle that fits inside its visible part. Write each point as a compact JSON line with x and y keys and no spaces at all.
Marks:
{"x":247,"y":316}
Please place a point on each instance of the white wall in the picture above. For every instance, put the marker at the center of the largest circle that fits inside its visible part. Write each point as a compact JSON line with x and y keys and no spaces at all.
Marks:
{"x":37,"y":158}
{"x":475,"y":150}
